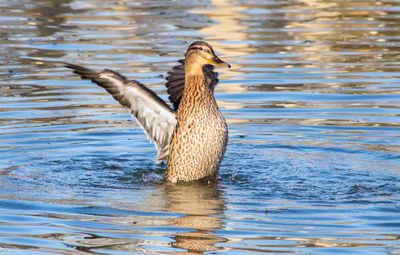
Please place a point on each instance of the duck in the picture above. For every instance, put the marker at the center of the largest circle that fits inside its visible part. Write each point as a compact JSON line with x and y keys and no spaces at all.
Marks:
{"x":192,"y":134}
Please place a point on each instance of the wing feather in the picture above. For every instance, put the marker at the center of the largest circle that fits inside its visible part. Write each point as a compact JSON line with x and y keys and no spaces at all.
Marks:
{"x":153,"y":115}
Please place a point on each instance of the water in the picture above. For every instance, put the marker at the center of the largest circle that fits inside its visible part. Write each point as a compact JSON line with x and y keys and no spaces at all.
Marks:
{"x":312,"y":101}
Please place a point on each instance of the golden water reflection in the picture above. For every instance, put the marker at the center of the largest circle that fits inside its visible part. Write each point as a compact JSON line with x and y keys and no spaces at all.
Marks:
{"x":317,"y":79}
{"x":202,"y":207}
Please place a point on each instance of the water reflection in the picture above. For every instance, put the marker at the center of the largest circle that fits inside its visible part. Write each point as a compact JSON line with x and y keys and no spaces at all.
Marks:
{"x":203,"y":208}
{"x":47,"y":17}
{"x":37,"y":24}
{"x":313,"y":106}
{"x":191,"y":213}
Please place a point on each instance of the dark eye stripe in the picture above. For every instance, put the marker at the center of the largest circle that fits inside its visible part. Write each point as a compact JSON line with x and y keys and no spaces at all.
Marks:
{"x":200,"y":48}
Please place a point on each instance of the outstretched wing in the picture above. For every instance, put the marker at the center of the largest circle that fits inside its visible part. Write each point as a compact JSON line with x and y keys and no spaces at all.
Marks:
{"x":176,"y":81}
{"x":154,"y":116}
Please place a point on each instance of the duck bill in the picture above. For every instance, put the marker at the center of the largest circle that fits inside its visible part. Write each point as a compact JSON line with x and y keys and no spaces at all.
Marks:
{"x":218,"y":62}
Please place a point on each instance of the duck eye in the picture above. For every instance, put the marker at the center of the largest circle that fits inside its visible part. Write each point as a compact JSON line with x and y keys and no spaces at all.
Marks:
{"x":197,"y":48}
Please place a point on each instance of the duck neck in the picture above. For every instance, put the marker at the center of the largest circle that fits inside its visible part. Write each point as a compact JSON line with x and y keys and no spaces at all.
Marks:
{"x":195,"y":86}
{"x":193,"y":66}
{"x":197,"y":94}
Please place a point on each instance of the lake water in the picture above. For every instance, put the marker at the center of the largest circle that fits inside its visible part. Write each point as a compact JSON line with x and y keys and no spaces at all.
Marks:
{"x":313,"y":106}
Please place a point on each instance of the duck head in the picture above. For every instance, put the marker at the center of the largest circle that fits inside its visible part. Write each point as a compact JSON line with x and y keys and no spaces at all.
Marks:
{"x":199,"y":54}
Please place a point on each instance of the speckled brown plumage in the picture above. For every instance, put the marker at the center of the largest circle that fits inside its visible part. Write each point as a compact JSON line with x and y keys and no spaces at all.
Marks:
{"x":199,"y":140}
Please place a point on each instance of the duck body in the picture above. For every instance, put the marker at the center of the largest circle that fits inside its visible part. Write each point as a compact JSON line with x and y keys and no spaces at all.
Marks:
{"x":200,"y":137}
{"x":192,"y":137}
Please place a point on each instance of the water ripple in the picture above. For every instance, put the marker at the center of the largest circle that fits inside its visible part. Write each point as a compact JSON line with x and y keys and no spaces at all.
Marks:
{"x":312,"y":102}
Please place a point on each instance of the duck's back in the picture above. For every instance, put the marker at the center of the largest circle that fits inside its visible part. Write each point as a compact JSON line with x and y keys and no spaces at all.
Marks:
{"x":199,"y":140}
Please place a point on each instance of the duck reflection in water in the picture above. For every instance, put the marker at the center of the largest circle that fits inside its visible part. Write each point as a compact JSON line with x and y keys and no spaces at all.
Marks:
{"x":193,"y":136}
{"x":202,"y":207}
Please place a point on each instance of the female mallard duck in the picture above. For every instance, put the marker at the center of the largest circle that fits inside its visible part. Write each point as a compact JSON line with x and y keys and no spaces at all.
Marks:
{"x":193,"y":136}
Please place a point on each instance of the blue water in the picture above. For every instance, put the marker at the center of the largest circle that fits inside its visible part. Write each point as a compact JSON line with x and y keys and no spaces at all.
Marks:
{"x":312,"y":102}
